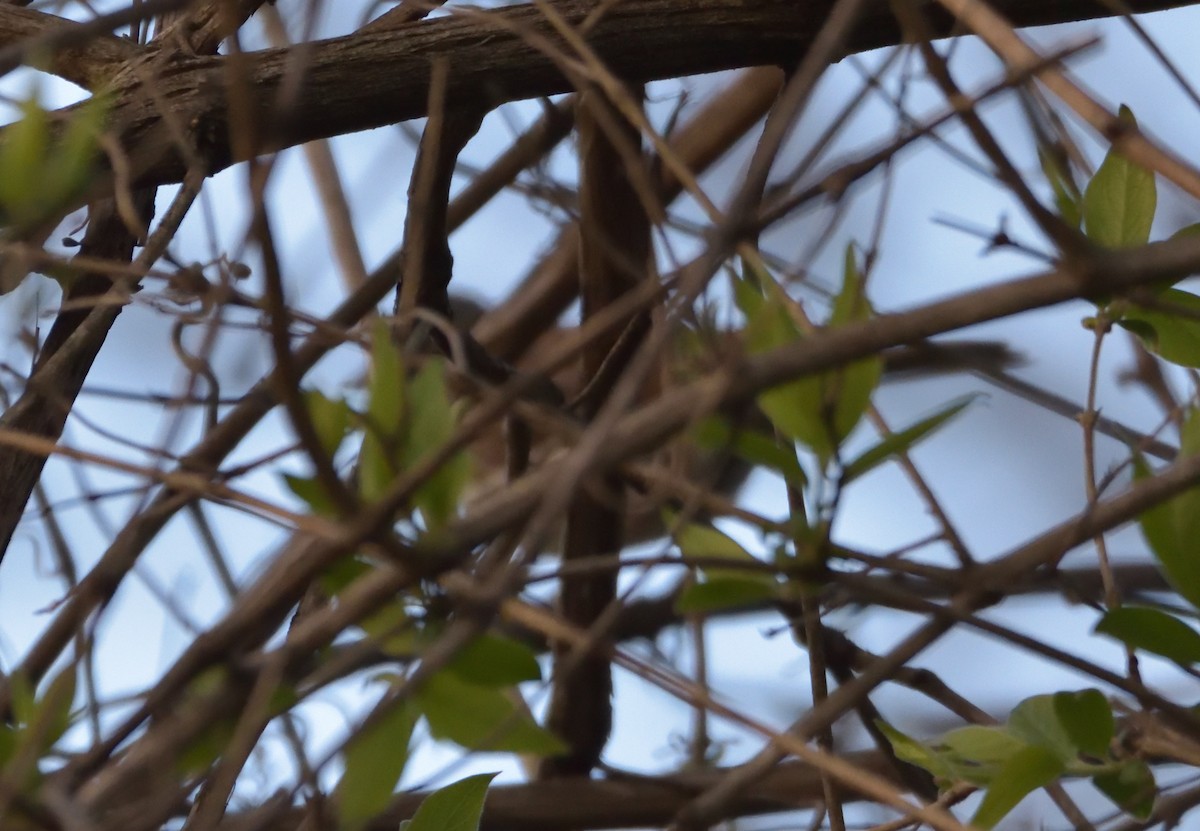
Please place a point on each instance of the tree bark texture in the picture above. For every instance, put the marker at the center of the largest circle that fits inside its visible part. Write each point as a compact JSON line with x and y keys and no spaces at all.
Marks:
{"x":284,"y":97}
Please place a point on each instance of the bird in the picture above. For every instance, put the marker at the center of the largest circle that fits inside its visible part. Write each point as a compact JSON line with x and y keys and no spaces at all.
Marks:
{"x":683,"y":465}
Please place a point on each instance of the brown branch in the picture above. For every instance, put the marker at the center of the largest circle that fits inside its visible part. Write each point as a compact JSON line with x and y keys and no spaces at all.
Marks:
{"x":205,"y":24}
{"x":576,"y":802}
{"x":372,"y":79}
{"x":648,"y":618}
{"x":78,"y":334}
{"x":614,"y":258}
{"x":89,"y":63}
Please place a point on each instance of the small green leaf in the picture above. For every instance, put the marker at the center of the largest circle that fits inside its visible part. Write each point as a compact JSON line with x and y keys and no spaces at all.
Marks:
{"x":723,"y":593}
{"x":8,"y":743}
{"x":481,"y":718}
{"x":54,"y":708}
{"x":456,"y":807}
{"x":716,"y":434}
{"x":1174,"y":337}
{"x":902,"y":440}
{"x":1026,"y":770}
{"x":703,"y":542}
{"x":978,"y":754}
{"x":1087,"y":719}
{"x":1119,"y":203}
{"x":39,"y":722}
{"x":980,"y":743}
{"x":430,"y":425}
{"x":1035,"y":721}
{"x":330,"y":418}
{"x":1154,"y":631}
{"x":23,"y":155}
{"x":72,"y":161}
{"x":853,"y":386}
{"x":1131,"y":788}
{"x":1192,"y":230}
{"x":916,"y":753}
{"x":375,"y":468}
{"x":46,"y":166}
{"x":1171,"y":528}
{"x":393,"y":629}
{"x":819,"y":412}
{"x":24,"y":701}
{"x":495,"y":661}
{"x":375,"y":759}
{"x":379,"y":459}
{"x":312,"y":492}
{"x":385,"y":406}
{"x":793,"y":407}
{"x":748,"y":289}
{"x":202,"y":751}
{"x":342,"y":573}
{"x":1066,"y":192}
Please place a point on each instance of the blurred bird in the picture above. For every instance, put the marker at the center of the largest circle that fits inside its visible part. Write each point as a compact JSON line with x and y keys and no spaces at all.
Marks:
{"x":683,"y":466}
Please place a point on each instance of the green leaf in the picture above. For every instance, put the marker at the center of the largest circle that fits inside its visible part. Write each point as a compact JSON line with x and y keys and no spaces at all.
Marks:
{"x":723,"y":593}
{"x":1171,"y":528}
{"x":703,"y":542}
{"x":330,"y":418}
{"x":1173,"y":336}
{"x":43,"y":169}
{"x":202,"y":751}
{"x":1154,"y":631}
{"x":716,"y":434}
{"x":23,"y":155}
{"x":24,"y":701}
{"x":378,"y":460}
{"x":375,"y":759}
{"x":39,"y":722}
{"x":978,"y":754}
{"x":385,"y":407}
{"x":1087,"y":719}
{"x":393,"y":629}
{"x":748,"y":289}
{"x":342,"y":573}
{"x":819,"y":412}
{"x":431,"y":423}
{"x":495,"y":661}
{"x":71,"y":164}
{"x":916,"y":753}
{"x":456,"y":807}
{"x":481,"y":718}
{"x":1131,"y":787}
{"x":901,"y":441}
{"x":1035,"y":721}
{"x":54,"y":708}
{"x":858,"y":381}
{"x":1066,"y":192}
{"x":1026,"y":770}
{"x":1119,"y":203}
{"x":312,"y":492}
{"x":8,"y":743}
{"x":1192,"y":230}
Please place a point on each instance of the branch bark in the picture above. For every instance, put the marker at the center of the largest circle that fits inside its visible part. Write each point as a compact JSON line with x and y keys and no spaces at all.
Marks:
{"x":577,"y":802}
{"x":372,"y":79}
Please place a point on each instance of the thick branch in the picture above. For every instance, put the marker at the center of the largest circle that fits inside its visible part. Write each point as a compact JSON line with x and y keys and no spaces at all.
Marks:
{"x":87,"y":63}
{"x":614,"y":803}
{"x":372,"y":79}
